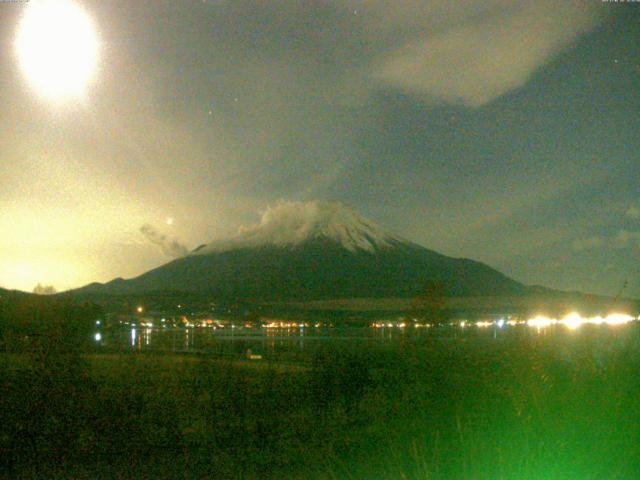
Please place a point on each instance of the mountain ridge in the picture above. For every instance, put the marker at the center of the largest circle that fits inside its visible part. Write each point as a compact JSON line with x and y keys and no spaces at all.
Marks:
{"x":316,"y":250}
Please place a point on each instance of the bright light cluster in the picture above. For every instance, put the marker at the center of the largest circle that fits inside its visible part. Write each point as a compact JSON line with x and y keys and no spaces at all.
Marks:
{"x":574,"y":320}
{"x":571,"y":321}
{"x":288,"y":325}
{"x":401,"y":324}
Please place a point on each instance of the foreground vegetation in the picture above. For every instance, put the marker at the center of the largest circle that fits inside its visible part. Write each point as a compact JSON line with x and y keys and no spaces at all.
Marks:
{"x":527,"y":407}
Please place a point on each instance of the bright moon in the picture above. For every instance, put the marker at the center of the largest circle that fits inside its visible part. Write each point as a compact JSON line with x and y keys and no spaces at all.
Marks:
{"x":57,"y":46}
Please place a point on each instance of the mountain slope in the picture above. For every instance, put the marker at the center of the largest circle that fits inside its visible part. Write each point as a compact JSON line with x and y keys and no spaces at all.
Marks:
{"x":315,"y":250}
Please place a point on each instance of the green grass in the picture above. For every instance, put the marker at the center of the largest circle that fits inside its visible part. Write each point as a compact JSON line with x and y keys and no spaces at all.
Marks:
{"x":550,"y":407}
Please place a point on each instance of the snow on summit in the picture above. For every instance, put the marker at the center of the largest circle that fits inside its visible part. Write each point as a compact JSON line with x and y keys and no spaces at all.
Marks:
{"x":293,"y":223}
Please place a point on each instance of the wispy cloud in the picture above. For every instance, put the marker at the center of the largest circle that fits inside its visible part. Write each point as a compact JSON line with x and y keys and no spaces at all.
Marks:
{"x":478,"y":54}
{"x":170,"y":246}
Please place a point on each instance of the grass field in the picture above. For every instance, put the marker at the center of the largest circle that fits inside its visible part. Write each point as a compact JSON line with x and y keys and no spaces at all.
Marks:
{"x":548,"y":407}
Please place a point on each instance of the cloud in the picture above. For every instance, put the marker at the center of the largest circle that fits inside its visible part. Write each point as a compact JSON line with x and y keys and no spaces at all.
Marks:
{"x":464,"y":52}
{"x":476,"y":57}
{"x":291,"y":222}
{"x":170,"y":246}
{"x":633,"y":212}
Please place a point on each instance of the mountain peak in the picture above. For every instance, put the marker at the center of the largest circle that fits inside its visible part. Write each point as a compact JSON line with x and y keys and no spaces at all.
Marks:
{"x":293,"y":223}
{"x":315,"y":250}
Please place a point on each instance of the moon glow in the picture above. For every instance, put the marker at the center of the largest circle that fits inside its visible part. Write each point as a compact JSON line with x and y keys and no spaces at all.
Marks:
{"x":57,"y":47}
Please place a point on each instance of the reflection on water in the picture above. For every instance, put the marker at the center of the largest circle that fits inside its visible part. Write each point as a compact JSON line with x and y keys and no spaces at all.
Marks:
{"x":235,"y":341}
{"x":282,"y":341}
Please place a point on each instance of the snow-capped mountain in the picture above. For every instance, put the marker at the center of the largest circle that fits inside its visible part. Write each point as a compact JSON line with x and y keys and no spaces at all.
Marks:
{"x":315,"y":250}
{"x":293,"y":223}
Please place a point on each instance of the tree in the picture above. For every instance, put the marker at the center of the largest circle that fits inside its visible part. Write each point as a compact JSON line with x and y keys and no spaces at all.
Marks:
{"x":44,"y":289}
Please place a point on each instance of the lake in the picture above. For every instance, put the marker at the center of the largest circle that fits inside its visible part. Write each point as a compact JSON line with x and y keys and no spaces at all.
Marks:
{"x":292,"y":343}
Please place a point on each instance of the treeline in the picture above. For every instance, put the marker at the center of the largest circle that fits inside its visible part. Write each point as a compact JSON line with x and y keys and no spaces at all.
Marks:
{"x":44,"y":323}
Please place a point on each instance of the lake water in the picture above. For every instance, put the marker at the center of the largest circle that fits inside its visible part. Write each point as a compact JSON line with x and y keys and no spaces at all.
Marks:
{"x":282,"y":343}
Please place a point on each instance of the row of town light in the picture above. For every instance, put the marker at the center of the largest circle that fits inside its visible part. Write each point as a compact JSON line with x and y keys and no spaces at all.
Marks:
{"x":572,"y":321}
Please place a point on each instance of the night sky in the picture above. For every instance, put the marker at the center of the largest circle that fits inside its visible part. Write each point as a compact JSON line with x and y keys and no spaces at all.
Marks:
{"x":503,"y":131}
